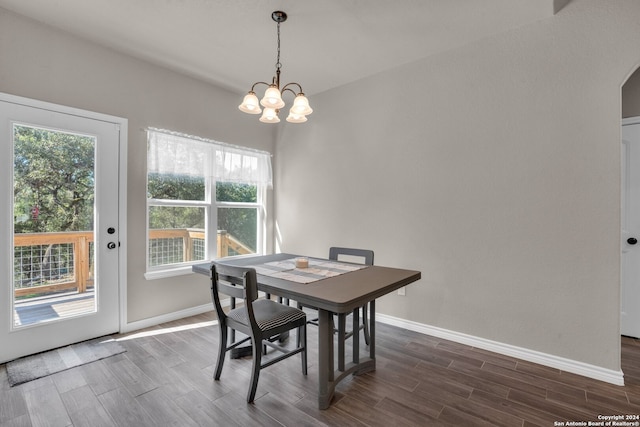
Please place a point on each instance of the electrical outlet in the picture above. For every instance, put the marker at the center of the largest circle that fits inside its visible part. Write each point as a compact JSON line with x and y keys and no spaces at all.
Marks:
{"x":402,"y":291}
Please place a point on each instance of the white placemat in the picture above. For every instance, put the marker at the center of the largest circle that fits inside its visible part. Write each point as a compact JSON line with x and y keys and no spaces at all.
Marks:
{"x":318,"y":269}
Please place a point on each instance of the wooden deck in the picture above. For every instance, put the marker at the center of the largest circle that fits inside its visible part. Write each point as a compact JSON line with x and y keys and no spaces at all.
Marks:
{"x":53,"y":307}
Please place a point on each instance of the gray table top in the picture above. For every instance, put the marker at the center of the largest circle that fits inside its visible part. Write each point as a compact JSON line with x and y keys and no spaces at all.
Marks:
{"x":339,"y":294}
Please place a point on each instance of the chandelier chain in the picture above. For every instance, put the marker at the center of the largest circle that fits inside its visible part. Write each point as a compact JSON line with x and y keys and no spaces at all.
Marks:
{"x":278,"y":64}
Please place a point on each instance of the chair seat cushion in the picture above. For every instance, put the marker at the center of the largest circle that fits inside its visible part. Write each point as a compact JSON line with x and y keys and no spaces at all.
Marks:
{"x":269,"y":314}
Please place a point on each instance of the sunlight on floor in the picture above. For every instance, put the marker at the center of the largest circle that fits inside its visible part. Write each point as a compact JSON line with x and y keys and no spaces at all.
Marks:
{"x":161,"y":331}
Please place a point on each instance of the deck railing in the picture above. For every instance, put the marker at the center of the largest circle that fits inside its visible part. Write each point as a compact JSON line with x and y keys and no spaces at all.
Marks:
{"x":53,"y":262}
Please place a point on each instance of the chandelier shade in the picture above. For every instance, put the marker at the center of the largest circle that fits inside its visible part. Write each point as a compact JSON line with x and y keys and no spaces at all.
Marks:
{"x":296,"y":118}
{"x":250,"y":104}
{"x":270,"y":115}
{"x":301,"y":105}
{"x":272,"y":100}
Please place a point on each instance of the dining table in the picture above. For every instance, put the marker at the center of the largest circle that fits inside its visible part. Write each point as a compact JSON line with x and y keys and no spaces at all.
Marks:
{"x":331,"y":287}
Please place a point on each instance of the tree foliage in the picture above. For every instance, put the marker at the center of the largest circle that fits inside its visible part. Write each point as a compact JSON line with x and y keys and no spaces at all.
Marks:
{"x":239,"y":222}
{"x":53,"y":175}
{"x":175,"y":187}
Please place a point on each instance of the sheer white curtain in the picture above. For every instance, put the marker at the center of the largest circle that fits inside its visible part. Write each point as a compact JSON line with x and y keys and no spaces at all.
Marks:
{"x":178,"y":154}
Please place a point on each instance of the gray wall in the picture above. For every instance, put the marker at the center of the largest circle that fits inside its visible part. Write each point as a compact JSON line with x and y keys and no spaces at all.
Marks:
{"x":494,"y":169}
{"x":38,"y":62}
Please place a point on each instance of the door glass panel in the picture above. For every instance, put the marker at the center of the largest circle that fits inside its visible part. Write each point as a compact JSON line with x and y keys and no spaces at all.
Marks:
{"x":53,"y":210}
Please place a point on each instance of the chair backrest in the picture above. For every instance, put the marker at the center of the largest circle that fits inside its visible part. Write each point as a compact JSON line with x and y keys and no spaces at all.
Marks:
{"x":235,"y":282}
{"x":365,"y":254}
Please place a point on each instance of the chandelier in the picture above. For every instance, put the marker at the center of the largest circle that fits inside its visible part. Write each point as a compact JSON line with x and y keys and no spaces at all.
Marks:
{"x":272,"y":99}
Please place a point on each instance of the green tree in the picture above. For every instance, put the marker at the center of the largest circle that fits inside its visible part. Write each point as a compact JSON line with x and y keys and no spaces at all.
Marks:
{"x":175,"y":187}
{"x":239,"y":222}
{"x":53,"y":172}
{"x":234,"y":192}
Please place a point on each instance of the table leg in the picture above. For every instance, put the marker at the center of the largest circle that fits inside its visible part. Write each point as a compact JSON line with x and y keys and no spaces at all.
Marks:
{"x":372,"y":331}
{"x":341,"y":340}
{"x":325,"y":359}
{"x":238,"y":352}
{"x":355,"y":338}
{"x":328,"y":377}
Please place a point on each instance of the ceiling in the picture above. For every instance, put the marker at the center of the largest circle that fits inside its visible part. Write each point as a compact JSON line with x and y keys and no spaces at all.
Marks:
{"x":324,"y":43}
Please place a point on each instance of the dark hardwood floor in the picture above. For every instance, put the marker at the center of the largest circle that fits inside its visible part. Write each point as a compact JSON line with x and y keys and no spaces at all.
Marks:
{"x":165,"y":379}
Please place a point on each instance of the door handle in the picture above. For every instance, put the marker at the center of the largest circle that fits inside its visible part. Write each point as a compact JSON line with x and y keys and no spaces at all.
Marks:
{"x":632,"y":240}
{"x":111,"y":245}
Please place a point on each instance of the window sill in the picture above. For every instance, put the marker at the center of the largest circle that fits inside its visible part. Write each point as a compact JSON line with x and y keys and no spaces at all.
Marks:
{"x":169,"y":272}
{"x":183,"y":269}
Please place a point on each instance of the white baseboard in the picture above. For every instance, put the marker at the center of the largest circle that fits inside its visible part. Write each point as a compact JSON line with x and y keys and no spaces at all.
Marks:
{"x":567,"y":365}
{"x":169,"y":317}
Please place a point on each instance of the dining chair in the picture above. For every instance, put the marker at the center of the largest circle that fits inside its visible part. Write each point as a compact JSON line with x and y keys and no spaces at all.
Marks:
{"x":363,"y":256}
{"x":260,"y":320}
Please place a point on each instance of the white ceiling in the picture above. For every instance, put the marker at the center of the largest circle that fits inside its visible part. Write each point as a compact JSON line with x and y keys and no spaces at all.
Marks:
{"x":324,"y":43}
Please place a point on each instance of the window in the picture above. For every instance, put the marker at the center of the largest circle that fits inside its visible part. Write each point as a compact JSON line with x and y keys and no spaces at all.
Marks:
{"x":205,"y":199}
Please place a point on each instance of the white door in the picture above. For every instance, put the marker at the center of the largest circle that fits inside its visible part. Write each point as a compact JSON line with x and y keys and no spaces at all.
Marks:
{"x":59,"y":226}
{"x":630,"y":269}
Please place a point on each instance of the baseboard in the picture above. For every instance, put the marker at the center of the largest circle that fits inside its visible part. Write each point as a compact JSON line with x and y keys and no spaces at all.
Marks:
{"x":567,"y":365}
{"x":169,"y":317}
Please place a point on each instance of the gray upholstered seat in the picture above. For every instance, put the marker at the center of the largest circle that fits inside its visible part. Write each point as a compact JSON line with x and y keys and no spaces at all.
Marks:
{"x":269,"y":314}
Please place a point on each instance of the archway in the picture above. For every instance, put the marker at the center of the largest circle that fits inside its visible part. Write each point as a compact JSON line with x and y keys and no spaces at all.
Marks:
{"x":629,"y":256}
{"x":631,"y":95}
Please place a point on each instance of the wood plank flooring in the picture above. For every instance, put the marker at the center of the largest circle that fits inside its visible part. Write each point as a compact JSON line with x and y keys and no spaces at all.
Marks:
{"x":165,"y":379}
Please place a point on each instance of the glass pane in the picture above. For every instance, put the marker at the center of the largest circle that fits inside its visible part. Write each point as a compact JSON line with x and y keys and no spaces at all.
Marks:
{"x":237,"y":231}
{"x":175,"y":187}
{"x":176,"y":234}
{"x":234,"y":192}
{"x":53,"y":207}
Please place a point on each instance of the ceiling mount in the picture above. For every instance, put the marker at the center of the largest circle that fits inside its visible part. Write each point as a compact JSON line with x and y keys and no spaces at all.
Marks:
{"x":279,"y":16}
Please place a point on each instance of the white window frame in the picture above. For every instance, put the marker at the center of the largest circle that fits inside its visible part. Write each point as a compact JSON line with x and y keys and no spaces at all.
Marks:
{"x":259,"y":205}
{"x":210,"y":205}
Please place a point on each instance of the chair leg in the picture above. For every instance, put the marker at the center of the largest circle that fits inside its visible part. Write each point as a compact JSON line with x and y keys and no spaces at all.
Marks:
{"x":255,"y":372}
{"x":302,"y":331}
{"x":365,"y":322}
{"x":222,"y":351}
